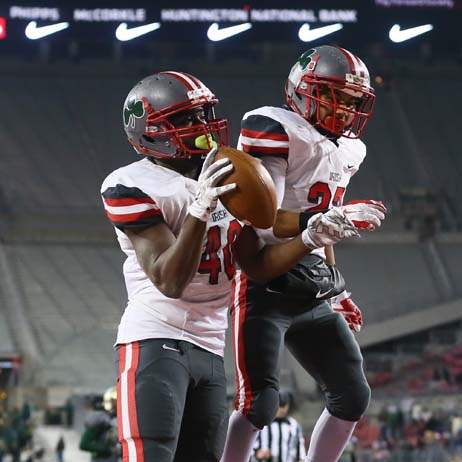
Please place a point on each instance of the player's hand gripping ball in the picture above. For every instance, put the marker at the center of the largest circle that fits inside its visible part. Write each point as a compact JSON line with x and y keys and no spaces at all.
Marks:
{"x":254,"y":199}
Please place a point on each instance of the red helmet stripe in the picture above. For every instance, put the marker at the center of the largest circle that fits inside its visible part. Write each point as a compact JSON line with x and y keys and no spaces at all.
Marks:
{"x":349,"y":57}
{"x":191,"y":81}
{"x":358,"y":65}
{"x":362,"y":67}
{"x":183,"y":78}
{"x":198,"y":83}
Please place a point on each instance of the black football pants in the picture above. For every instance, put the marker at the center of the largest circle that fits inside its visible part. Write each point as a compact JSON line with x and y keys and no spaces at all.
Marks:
{"x":319,"y":339}
{"x":171,"y":402}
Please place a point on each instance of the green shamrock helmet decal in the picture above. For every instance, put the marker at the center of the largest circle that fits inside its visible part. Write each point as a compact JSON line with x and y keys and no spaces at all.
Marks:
{"x":133,"y":109}
{"x":305,"y":58}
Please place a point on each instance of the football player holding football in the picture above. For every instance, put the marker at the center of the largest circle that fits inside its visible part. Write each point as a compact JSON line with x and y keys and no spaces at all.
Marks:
{"x":311,"y":148}
{"x":178,"y":240}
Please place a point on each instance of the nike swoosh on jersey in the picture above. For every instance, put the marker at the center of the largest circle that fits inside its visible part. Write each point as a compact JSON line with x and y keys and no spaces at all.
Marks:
{"x":305,"y":34}
{"x":348,"y":167}
{"x":34,"y":32}
{"x":215,"y":34}
{"x":399,"y":35}
{"x":123,"y":33}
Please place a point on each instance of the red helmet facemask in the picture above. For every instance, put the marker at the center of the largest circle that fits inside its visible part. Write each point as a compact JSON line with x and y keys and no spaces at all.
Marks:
{"x":343,"y":119}
{"x":159,"y":128}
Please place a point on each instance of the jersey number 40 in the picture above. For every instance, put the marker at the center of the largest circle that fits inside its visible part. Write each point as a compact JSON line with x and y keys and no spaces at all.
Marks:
{"x":210,"y":262}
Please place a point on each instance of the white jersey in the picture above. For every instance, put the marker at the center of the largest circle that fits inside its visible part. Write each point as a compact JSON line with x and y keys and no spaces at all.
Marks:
{"x":311,"y":172}
{"x":143,"y":194}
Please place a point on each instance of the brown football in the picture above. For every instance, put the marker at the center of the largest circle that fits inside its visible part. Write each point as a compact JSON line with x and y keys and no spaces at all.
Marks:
{"x":254,"y":199}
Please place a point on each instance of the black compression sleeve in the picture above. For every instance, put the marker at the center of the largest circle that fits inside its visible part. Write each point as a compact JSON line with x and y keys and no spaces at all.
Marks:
{"x":305,"y":216}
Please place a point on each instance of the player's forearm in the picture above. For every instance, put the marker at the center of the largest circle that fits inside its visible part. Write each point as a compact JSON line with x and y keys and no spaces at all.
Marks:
{"x":290,"y":224}
{"x":287,"y":224}
{"x":273,"y":260}
{"x":175,"y":268}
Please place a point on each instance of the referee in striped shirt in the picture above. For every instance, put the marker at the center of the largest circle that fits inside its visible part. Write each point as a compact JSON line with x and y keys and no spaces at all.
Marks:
{"x":282,"y":441}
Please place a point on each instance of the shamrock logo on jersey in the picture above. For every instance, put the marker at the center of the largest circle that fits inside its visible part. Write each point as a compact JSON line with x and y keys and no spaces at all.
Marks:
{"x":134,"y":108}
{"x":305,"y":59}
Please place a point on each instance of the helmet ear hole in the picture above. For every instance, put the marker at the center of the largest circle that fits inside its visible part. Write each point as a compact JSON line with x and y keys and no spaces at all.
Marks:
{"x":147,"y":138}
{"x":165,"y":140}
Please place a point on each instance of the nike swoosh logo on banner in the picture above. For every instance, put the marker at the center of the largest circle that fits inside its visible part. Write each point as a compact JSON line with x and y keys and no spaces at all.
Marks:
{"x":399,"y":35}
{"x":34,"y":32}
{"x":305,"y":34}
{"x":123,"y":33}
{"x":215,"y":34}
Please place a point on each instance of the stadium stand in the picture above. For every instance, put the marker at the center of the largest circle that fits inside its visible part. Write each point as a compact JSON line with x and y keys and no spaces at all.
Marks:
{"x":399,"y":283}
{"x":74,"y":136}
{"x":452,"y":257}
{"x":6,"y":339}
{"x":73,"y":296}
{"x":427,"y":362}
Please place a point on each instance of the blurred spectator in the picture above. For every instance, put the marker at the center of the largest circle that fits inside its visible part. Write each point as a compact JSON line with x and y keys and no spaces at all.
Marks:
{"x":100,"y":434}
{"x":412,"y":433}
{"x":11,"y":438}
{"x":16,"y":436}
{"x":349,"y":454}
{"x":367,"y":433}
{"x":60,"y":449}
{"x":25,"y":412}
{"x":69,"y":413}
{"x":2,"y":440}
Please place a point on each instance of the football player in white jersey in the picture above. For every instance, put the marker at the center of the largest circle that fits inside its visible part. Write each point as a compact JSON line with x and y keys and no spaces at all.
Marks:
{"x":179,"y":241}
{"x":311,"y":149}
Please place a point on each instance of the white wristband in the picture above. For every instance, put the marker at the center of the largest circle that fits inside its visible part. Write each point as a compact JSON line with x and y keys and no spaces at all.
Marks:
{"x":199,"y":212}
{"x":306,"y":239}
{"x":344,"y":295}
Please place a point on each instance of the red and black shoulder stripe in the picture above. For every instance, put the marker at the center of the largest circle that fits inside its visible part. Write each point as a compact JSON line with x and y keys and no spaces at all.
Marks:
{"x":261,"y":135}
{"x":130,"y":208}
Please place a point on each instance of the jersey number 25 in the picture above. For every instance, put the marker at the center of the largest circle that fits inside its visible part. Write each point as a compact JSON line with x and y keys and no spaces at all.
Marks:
{"x":321,"y":195}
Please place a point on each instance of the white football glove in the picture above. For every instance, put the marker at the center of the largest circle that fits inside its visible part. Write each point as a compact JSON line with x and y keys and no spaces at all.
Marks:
{"x":328,"y":228}
{"x":365,"y":214}
{"x":207,"y":194}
